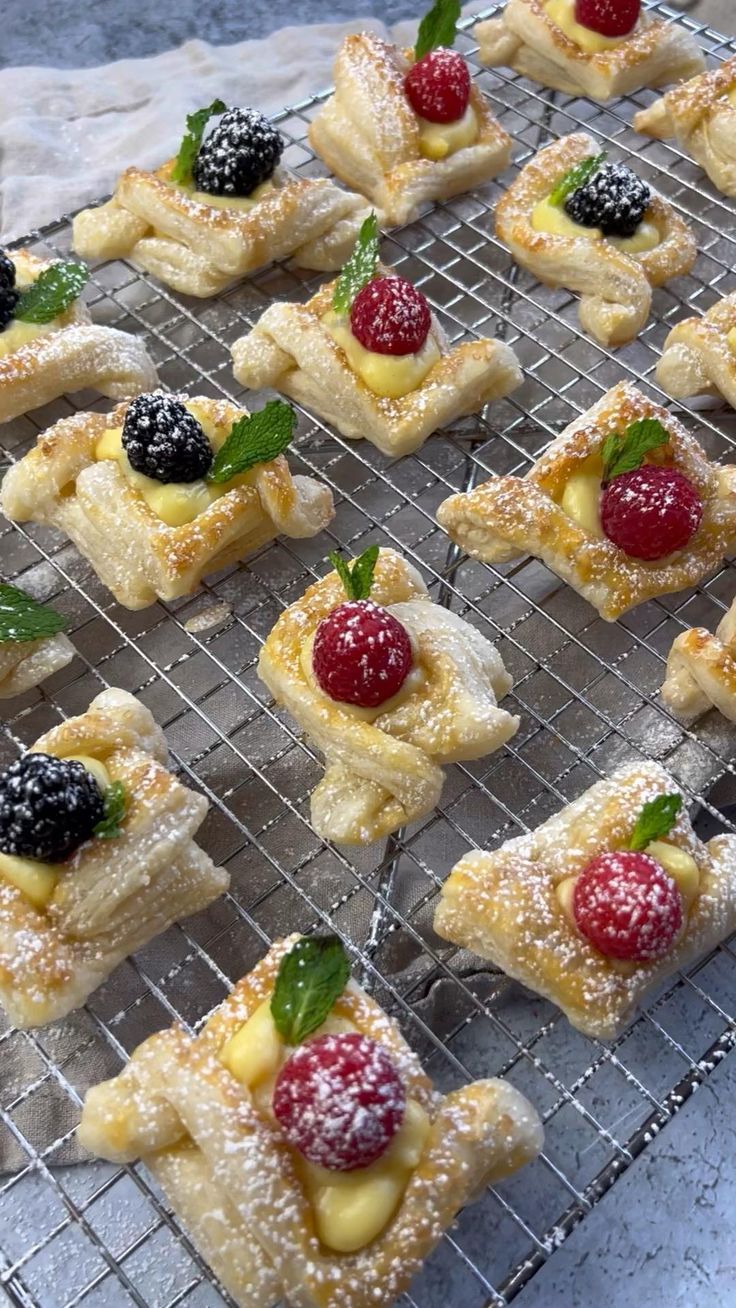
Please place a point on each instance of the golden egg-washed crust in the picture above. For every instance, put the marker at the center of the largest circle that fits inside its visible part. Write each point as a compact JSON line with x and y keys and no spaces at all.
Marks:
{"x":701,"y":670}
{"x":131,"y":549}
{"x":508,"y":517}
{"x":528,"y":40}
{"x":292,"y":350}
{"x":702,"y":119}
{"x":231,"y":1178}
{"x":199,"y":249}
{"x":384,"y":773}
{"x":503,"y":904}
{"x":70,"y":354}
{"x":112,"y":896}
{"x":26,"y":663}
{"x":697,"y":358}
{"x":368,"y":134}
{"x":616,"y":287}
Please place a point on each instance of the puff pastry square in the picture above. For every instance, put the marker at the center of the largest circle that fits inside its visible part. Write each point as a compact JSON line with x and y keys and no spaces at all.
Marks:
{"x":701,"y":116}
{"x":508,"y":517}
{"x":231,"y":1179}
{"x":384,"y":773}
{"x":60,"y":483}
{"x":112,"y":896}
{"x":368,"y":134}
{"x":503,"y":904}
{"x":699,"y":355}
{"x":26,"y":663}
{"x":200,"y":248}
{"x":701,"y":670}
{"x":527,"y":38}
{"x":291,"y":349}
{"x":69,"y":354}
{"x":615,"y":286}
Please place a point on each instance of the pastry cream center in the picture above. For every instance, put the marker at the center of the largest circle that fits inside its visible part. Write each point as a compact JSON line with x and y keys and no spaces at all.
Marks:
{"x":552,"y":218}
{"x":350,"y":1208}
{"x":562,"y":12}
{"x":240,"y":202}
{"x":387,"y":375}
{"x":17,"y":334}
{"x":731,"y":338}
{"x":731,"y":96}
{"x":438,"y":140}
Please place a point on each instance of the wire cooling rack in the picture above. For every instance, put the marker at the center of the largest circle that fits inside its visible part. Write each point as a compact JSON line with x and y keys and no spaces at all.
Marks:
{"x":90,"y":1233}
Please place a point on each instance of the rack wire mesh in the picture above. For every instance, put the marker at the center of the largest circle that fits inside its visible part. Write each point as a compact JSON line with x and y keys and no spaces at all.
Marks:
{"x":90,"y":1233}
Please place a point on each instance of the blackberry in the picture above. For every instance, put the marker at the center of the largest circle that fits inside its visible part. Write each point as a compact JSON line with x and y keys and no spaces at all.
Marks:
{"x":240,"y":153}
{"x":614,"y":199}
{"x":7,"y":272}
{"x":8,"y":295}
{"x":48,"y":807}
{"x":164,"y":441}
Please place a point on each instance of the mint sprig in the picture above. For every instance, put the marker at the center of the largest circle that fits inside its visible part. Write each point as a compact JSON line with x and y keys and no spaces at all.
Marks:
{"x":191,"y":141}
{"x":255,"y":438}
{"x":357,"y":578}
{"x":626,"y":453}
{"x":438,"y":27}
{"x":576,"y":177}
{"x":655,"y":820}
{"x":310,"y":978}
{"x":52,"y":292}
{"x":115,"y":801}
{"x":360,"y":267}
{"x":23,"y":618}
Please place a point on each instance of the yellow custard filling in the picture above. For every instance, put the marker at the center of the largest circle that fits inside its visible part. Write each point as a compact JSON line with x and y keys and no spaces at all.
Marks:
{"x":350,"y":1208}
{"x":562,"y":12}
{"x":731,"y":338}
{"x":731,"y":96}
{"x":17,"y":334}
{"x":581,"y":497}
{"x":680,"y":865}
{"x":552,"y":218}
{"x":241,"y":202}
{"x":387,"y":375}
{"x":37,"y":880}
{"x":438,"y":140}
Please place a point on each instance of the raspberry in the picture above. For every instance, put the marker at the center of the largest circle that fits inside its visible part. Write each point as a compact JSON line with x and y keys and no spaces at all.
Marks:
{"x":163,"y":440}
{"x":627,"y":906}
{"x":650,"y":512}
{"x":438,"y":86}
{"x":390,"y":316}
{"x":361,"y":654}
{"x":614,"y":199}
{"x":340,"y":1101}
{"x":608,"y":17}
{"x":48,"y":807}
{"x":238,"y":155}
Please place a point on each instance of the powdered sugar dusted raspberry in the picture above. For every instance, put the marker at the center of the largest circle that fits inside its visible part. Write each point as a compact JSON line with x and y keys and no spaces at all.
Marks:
{"x":390,"y":316}
{"x":340,"y":1101}
{"x":627,"y":906}
{"x":608,"y":17}
{"x":438,"y":86}
{"x":651,"y":511}
{"x":361,"y":654}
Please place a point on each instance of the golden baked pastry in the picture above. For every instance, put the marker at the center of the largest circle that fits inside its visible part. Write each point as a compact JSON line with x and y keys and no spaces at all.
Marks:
{"x":614,"y":275}
{"x":41,"y":360}
{"x":371,"y":136}
{"x":699,"y":355}
{"x":274,"y":1226}
{"x":554,"y":511}
{"x":521,"y":906}
{"x":149,"y":538}
{"x":218,"y":212}
{"x":701,"y":670}
{"x":32,"y":643}
{"x":541,"y":40}
{"x":435,"y":703}
{"x":64,"y":925}
{"x":701,"y":116}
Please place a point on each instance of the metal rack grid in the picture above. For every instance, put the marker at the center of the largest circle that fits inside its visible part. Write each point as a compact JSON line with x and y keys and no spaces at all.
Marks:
{"x":586,"y":691}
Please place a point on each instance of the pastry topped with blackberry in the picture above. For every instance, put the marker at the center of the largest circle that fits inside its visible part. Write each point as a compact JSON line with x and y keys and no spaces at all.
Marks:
{"x":32,"y":641}
{"x":221,"y":208}
{"x":578,"y":220}
{"x":49,"y":345}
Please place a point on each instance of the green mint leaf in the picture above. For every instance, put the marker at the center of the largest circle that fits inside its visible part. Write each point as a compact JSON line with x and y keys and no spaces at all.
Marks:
{"x":625,"y":453}
{"x":438,"y":27}
{"x":576,"y":177}
{"x":311,"y":977}
{"x":358,"y":578}
{"x":115,"y":800}
{"x":52,"y":292}
{"x":360,"y":267}
{"x":655,"y":820}
{"x":255,"y":438}
{"x":23,"y":618}
{"x":191,"y":141}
